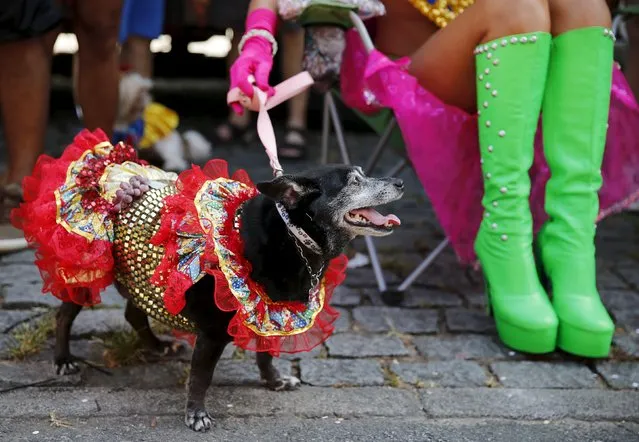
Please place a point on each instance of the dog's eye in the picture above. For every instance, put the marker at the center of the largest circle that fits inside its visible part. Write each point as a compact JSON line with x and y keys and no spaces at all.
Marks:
{"x":356,"y":180}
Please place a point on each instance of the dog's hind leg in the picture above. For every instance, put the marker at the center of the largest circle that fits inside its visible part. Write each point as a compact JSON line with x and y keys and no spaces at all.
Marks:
{"x":205,"y":356}
{"x":271,"y":375}
{"x":63,"y":360}
{"x":140,"y":323}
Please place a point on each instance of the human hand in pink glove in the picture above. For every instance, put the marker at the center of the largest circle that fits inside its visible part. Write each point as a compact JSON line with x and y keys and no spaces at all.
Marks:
{"x":256,"y":56}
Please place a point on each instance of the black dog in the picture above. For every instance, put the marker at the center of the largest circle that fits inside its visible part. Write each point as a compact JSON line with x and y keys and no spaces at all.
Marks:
{"x":332,"y":204}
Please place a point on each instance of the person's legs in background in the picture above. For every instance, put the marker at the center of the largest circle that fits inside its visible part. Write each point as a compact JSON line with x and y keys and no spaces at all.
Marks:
{"x":25,"y":73}
{"x":294,"y":146}
{"x":96,"y":24}
{"x":142,"y":21}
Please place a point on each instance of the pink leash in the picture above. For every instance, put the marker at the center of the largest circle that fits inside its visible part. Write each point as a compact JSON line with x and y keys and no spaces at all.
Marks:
{"x":260,"y":103}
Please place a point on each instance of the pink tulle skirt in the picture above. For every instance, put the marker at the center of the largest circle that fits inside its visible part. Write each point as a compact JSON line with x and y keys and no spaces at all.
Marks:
{"x":442,"y":143}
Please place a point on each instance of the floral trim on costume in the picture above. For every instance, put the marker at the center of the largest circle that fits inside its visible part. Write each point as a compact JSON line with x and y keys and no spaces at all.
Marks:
{"x":200,"y":227}
{"x":69,"y":218}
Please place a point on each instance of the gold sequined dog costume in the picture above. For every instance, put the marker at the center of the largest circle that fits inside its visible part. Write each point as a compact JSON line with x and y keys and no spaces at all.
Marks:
{"x":99,"y":215}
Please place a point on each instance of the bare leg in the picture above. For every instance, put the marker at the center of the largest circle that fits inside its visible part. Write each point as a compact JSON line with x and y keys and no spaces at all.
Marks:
{"x":24,"y":101}
{"x":205,"y":356}
{"x":63,"y":360}
{"x":96,"y":26}
{"x":293,"y":48}
{"x":136,"y":53}
{"x":570,"y":14}
{"x":445,"y":64}
{"x":271,"y":375}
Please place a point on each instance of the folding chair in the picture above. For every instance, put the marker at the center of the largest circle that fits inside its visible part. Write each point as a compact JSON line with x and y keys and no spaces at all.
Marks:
{"x":385,"y":125}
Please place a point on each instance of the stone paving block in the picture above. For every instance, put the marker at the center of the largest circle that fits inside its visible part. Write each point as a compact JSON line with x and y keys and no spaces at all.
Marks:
{"x":143,"y":377}
{"x":441,"y":373}
{"x":459,"y":347}
{"x":630,"y":274}
{"x":26,"y":295}
{"x":629,"y":344}
{"x":359,"y":346}
{"x":477,"y":300}
{"x":628,"y":319}
{"x":89,"y":349}
{"x":364,"y":277}
{"x":343,"y":323}
{"x":22,"y":257}
{"x":99,"y":322}
{"x":383,"y":319}
{"x":620,"y":375}
{"x":10,"y":318}
{"x":620,"y":299}
{"x":623,"y":305}
{"x":528,"y":374}
{"x":228,"y":352}
{"x":346,"y":296}
{"x":340,"y":372}
{"x":19,"y":274}
{"x":469,"y":321}
{"x":231,"y":372}
{"x":448,"y":277}
{"x":607,"y":280}
{"x":308,"y":402}
{"x":553,"y":404}
{"x":314,"y":353}
{"x":110,"y":297}
{"x":427,"y":297}
{"x":13,"y":374}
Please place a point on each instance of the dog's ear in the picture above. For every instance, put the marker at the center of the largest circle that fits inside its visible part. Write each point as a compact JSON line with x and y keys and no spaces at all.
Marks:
{"x":288,"y":190}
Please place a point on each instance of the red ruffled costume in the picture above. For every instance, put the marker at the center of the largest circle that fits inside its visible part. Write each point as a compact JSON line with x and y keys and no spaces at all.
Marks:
{"x":68,"y":217}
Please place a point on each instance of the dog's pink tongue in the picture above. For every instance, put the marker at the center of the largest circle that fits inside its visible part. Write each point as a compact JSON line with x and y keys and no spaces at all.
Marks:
{"x":377,"y":218}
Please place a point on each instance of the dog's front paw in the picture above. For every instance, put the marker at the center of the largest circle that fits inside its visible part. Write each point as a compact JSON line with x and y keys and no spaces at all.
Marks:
{"x":198,"y":420}
{"x":284,"y":383}
{"x":66,"y":366}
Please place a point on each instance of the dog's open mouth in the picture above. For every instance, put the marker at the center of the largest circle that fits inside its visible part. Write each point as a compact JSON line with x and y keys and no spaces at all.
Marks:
{"x":371,"y":218}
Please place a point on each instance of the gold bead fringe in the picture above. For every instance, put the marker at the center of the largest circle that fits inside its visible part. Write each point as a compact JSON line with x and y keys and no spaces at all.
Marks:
{"x":441,"y":12}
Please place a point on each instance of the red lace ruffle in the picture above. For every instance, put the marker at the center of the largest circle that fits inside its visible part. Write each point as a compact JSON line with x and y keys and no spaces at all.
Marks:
{"x":180,"y":215}
{"x":73,"y":268}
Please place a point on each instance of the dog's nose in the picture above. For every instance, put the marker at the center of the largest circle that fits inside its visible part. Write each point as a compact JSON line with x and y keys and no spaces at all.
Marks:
{"x":398,"y":183}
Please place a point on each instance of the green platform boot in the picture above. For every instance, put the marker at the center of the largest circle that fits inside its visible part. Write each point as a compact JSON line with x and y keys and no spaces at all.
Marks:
{"x":511,"y":77}
{"x":575,"y":117}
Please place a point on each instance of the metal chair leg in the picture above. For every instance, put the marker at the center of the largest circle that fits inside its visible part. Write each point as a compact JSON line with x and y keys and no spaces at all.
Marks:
{"x":377,"y":268}
{"x":423,"y":266}
{"x":381,"y":144}
{"x":339,"y":132}
{"x":398,"y":167}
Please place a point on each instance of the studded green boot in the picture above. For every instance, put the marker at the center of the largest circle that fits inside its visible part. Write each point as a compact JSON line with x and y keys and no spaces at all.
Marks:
{"x":575,"y":117}
{"x":511,"y":76}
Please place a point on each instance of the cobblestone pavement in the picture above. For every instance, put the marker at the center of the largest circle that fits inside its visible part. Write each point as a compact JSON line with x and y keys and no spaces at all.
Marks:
{"x":428,"y":370}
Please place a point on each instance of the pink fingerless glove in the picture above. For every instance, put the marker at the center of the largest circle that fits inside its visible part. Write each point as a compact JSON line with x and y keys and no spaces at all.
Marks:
{"x":256,"y":57}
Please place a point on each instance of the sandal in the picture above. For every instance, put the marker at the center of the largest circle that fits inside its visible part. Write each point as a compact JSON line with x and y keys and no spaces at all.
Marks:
{"x":11,"y":239}
{"x":294,"y":146}
{"x":227,"y":132}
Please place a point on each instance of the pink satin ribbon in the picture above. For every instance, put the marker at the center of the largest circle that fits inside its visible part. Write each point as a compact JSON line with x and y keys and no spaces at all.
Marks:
{"x":260,"y":103}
